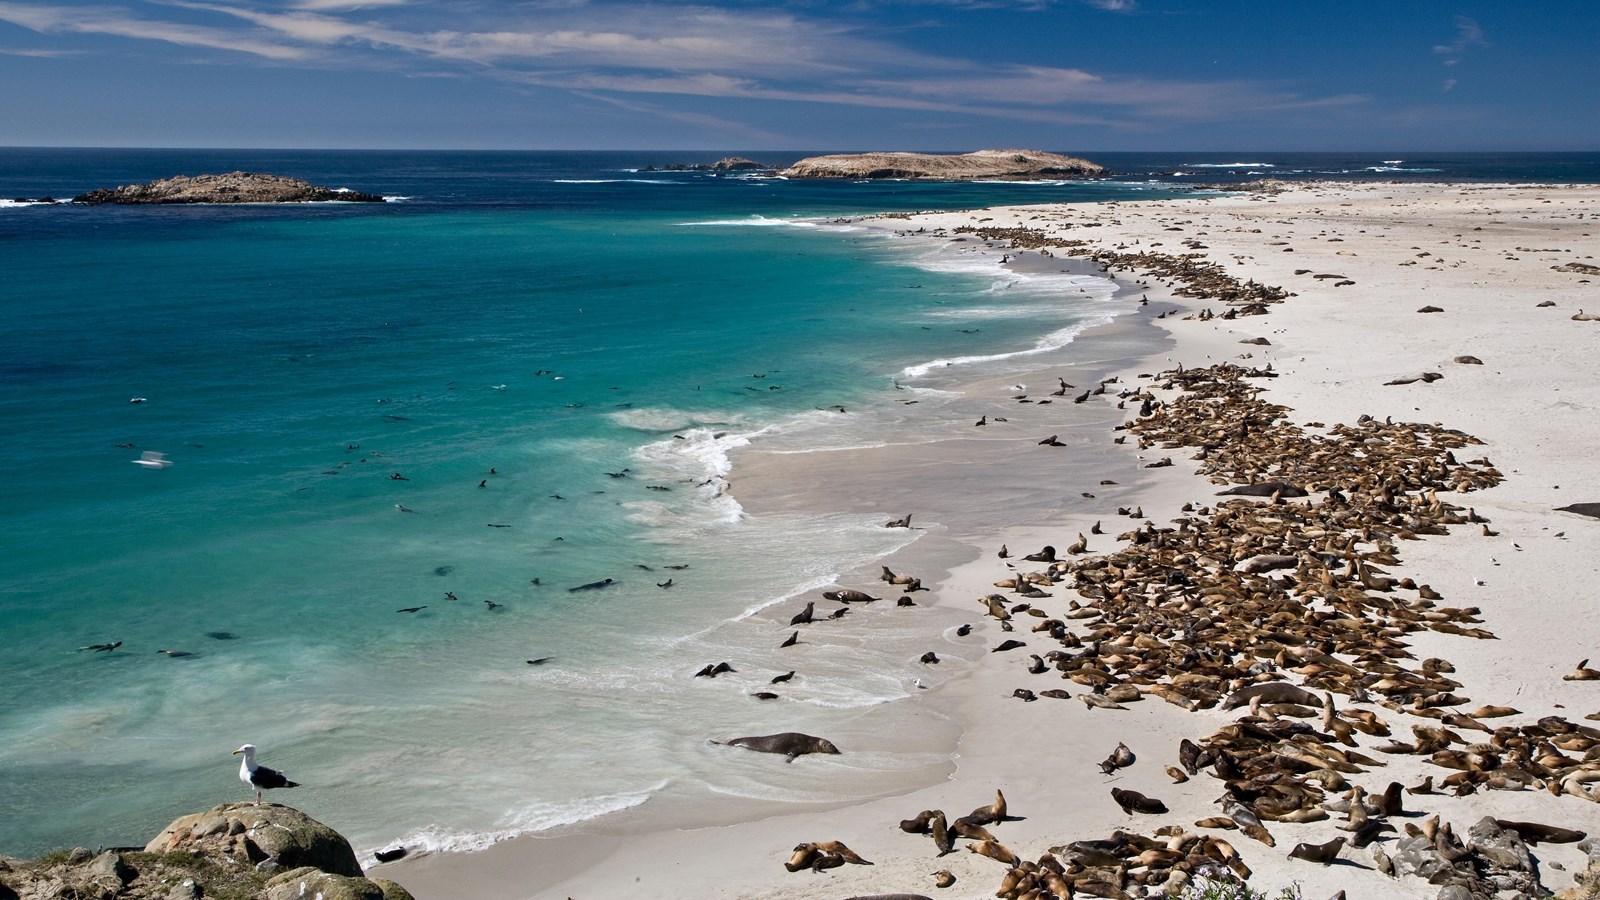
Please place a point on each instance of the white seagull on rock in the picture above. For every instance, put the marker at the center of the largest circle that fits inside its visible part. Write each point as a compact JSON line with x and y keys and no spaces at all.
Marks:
{"x":260,"y":777}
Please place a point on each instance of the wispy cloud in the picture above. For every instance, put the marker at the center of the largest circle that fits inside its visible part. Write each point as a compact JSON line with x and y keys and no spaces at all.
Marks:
{"x":1468,"y":35}
{"x":353,"y":5}
{"x":109,"y":21}
{"x":40,"y":54}
{"x":1449,"y":85}
{"x":618,"y":51}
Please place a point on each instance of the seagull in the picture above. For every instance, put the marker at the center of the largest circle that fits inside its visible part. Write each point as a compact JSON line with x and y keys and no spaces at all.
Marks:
{"x":153,"y":459}
{"x":258,"y":776}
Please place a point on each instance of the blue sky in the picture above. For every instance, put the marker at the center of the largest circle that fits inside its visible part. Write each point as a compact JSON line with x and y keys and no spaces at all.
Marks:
{"x":1069,"y":75}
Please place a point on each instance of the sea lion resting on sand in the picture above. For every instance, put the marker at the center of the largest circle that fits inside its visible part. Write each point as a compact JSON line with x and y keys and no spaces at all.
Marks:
{"x":789,"y":743}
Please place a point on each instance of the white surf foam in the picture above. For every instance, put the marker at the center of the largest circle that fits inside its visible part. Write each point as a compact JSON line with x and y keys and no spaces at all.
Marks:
{"x":659,"y":419}
{"x":1055,"y":340}
{"x":528,"y":819}
{"x":1234,"y":165}
{"x":758,"y":221}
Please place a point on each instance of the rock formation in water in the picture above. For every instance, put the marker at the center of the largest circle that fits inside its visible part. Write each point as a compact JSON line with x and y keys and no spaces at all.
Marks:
{"x":1019,"y":164}
{"x":234,"y":187}
{"x":725,"y":164}
{"x":238,"y":850}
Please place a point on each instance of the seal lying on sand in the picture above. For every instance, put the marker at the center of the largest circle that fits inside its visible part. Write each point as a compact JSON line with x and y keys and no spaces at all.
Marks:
{"x":789,"y":743}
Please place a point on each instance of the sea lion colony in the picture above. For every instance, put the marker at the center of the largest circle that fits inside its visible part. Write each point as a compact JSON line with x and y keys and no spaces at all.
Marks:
{"x":1239,"y":596}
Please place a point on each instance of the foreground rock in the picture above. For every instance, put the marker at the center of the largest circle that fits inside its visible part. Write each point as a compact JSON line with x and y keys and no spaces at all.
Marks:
{"x":238,"y":850}
{"x":234,"y":187}
{"x":1020,"y":164}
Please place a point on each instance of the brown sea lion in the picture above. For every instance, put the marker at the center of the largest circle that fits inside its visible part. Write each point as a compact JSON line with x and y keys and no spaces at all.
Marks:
{"x":1272,"y":692}
{"x":1318,"y":853}
{"x":1133,"y":801}
{"x":1534,"y":832}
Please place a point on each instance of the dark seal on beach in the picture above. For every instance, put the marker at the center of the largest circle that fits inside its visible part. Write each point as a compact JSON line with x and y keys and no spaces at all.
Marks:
{"x":1264,"y":489}
{"x":789,"y":743}
{"x":1592,"y":510}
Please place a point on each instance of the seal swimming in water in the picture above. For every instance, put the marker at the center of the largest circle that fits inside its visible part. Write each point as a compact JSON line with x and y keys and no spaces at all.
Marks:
{"x":789,"y":743}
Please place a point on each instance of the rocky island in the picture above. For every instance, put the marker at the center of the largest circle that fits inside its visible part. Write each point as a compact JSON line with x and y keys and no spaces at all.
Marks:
{"x":1019,"y":164}
{"x":726,"y":164}
{"x":235,"y":850}
{"x":233,"y":187}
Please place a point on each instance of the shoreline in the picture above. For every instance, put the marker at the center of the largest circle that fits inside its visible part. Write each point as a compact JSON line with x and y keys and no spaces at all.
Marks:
{"x":1323,"y":345}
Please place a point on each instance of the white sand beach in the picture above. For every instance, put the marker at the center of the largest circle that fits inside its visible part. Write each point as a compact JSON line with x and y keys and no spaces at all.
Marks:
{"x":1360,"y":261}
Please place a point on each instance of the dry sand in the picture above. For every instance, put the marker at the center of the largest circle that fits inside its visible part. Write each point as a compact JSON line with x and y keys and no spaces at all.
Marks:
{"x":1486,"y":255}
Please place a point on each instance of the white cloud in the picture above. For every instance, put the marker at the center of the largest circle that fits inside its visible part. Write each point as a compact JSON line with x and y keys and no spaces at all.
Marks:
{"x":1468,"y":35}
{"x":1449,"y":85}
{"x":107,"y":21}
{"x":618,"y":51}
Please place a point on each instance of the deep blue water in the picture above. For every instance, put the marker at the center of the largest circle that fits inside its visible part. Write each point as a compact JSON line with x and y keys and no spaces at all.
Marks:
{"x":514,"y":329}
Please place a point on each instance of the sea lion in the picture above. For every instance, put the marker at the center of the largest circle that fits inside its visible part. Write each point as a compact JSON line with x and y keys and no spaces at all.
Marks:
{"x":1133,"y":801}
{"x":939,"y":828}
{"x":790,"y":641}
{"x":1582,"y":672}
{"x":779,"y":679}
{"x":788,"y":743}
{"x":1272,"y":692}
{"x":921,"y":824}
{"x":592,"y":586}
{"x":1318,"y":853}
{"x":1534,"y":832}
{"x":849,"y":596}
{"x":943,"y":878}
{"x":1264,"y":489}
{"x":892,"y":578}
{"x":1120,"y":758}
{"x":803,"y":617}
{"x":903,"y":522}
{"x":930,"y":658}
{"x":837,"y":848}
{"x":801,"y":857}
{"x":995,"y":851}
{"x":1007,"y":645}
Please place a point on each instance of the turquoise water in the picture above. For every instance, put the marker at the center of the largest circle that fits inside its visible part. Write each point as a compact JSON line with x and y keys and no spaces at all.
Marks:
{"x":513,"y":330}
{"x":502,"y":354}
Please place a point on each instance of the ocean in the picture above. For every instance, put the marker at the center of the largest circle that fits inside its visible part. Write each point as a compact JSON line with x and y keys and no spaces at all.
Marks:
{"x":524,"y":374}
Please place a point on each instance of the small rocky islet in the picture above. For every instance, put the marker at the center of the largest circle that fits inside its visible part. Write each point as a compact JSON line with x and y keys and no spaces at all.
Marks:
{"x":232,"y":187}
{"x":980,"y":164}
